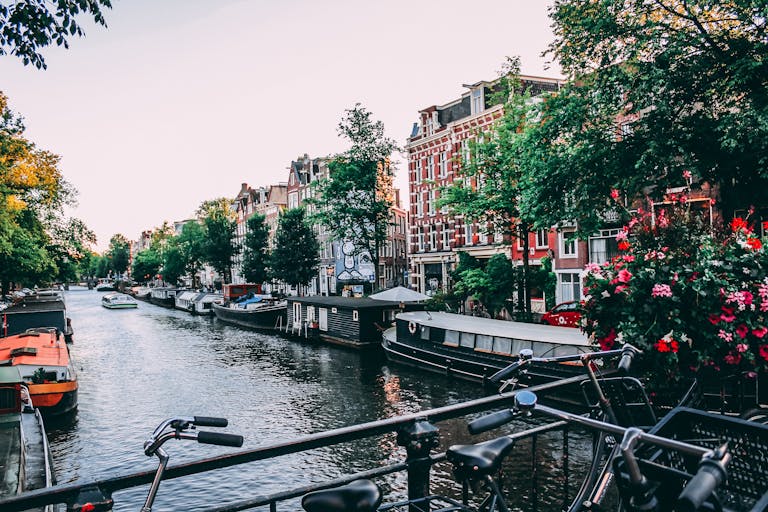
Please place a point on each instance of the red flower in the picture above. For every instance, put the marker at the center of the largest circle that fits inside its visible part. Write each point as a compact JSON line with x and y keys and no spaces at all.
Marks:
{"x":714,"y":319}
{"x":760,"y":332}
{"x":674,"y":345}
{"x":624,"y":276}
{"x":738,"y":224}
{"x":623,"y":245}
{"x":661,"y":346}
{"x":742,"y":330}
{"x":727,"y":315}
{"x":607,"y":342}
{"x":732,"y":358}
{"x":754,"y":243}
{"x":764,"y":352}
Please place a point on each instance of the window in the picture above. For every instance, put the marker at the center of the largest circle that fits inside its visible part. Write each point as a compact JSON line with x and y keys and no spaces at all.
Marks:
{"x":419,"y":207}
{"x":443,"y":165}
{"x":433,"y":238}
{"x":421,"y":239}
{"x":542,"y":238}
{"x":418,"y":170}
{"x":430,"y":167}
{"x":293,"y":200}
{"x":468,"y":234}
{"x":355,"y":316}
{"x":603,"y":247}
{"x":446,"y":239}
{"x":476,"y":101}
{"x":430,"y":125}
{"x":466,"y":154}
{"x":569,"y":286}
{"x":431,"y":203}
{"x":568,"y":246}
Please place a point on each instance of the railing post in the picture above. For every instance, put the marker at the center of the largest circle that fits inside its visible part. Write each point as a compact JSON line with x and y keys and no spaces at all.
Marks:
{"x":418,"y":438}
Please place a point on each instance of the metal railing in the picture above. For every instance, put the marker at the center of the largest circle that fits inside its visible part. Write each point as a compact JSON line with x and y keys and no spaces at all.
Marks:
{"x":414,"y":431}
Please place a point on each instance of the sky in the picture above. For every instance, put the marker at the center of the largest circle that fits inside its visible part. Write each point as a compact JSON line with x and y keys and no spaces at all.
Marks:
{"x":180,"y":101}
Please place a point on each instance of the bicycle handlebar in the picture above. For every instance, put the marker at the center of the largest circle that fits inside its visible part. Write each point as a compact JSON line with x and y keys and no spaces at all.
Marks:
{"x":219,"y":438}
{"x":710,"y":475}
{"x":627,"y":353}
{"x":491,"y":421}
{"x":207,"y":421}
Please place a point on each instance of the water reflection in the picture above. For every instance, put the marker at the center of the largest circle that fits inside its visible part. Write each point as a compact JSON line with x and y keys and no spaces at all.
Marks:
{"x":138,"y":367}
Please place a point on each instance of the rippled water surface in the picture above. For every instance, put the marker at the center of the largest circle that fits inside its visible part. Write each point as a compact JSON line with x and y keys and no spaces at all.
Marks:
{"x":138,"y":367}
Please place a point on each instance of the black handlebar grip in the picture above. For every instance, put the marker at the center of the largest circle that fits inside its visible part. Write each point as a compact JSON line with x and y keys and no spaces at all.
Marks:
{"x":207,"y":421}
{"x":626,"y":360}
{"x":219,"y":438}
{"x":491,"y":421}
{"x":504,"y":373}
{"x":701,"y":486}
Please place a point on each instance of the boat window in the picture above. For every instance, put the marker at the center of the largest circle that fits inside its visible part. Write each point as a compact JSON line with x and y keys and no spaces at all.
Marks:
{"x":543,"y":349}
{"x":502,"y":345}
{"x":468,"y":339}
{"x":484,"y":342}
{"x":424,"y":332}
{"x":518,"y":345}
{"x":567,"y":350}
{"x":452,"y":338}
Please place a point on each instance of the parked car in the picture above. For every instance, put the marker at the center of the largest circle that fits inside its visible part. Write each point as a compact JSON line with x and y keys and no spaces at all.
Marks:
{"x":566,"y":314}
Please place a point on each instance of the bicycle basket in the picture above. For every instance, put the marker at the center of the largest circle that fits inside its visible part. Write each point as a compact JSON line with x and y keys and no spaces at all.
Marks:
{"x":747,"y":483}
{"x":628,"y":400}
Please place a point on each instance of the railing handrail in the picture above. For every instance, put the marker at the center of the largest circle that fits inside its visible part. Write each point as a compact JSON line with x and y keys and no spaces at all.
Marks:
{"x":67,"y":492}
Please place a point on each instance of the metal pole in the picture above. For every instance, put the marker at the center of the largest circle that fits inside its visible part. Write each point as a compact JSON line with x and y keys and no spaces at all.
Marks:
{"x":418,"y":438}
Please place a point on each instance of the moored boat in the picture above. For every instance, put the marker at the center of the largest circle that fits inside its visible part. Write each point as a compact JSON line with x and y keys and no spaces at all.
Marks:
{"x":105,"y":285}
{"x":118,"y":301}
{"x":474,"y":348}
{"x":258,"y":312}
{"x":203,"y":302}
{"x":164,"y":296}
{"x":26,"y":465}
{"x":44,"y":362}
{"x":35,"y":311}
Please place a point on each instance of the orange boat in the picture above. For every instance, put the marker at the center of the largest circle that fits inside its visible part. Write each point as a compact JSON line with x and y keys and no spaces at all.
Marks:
{"x":42,"y":358}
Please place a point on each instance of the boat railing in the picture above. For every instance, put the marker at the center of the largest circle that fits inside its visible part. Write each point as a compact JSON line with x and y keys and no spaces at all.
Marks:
{"x":415,"y":432}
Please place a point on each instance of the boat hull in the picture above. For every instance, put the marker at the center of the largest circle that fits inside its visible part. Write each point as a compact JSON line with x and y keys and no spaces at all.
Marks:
{"x":121,"y":306}
{"x":54,"y":399}
{"x":260,"y":318}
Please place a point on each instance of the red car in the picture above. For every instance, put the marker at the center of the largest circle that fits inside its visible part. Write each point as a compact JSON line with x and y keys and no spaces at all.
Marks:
{"x":567,"y":314}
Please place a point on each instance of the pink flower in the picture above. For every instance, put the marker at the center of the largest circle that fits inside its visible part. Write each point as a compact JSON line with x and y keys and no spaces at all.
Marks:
{"x":620,"y":288}
{"x":687,"y":174}
{"x":760,"y":332}
{"x":614,"y":194}
{"x":628,"y":258}
{"x":732,"y":358}
{"x":742,"y":347}
{"x":624,"y":275}
{"x":622,"y":235}
{"x":725,"y":336}
{"x":661,"y":290}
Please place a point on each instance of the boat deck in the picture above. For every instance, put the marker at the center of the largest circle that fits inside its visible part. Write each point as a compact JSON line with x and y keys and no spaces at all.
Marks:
{"x":10,"y":456}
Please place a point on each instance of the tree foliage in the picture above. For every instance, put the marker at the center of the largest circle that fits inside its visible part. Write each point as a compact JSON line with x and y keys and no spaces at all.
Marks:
{"x":27,"y":26}
{"x":492,"y":284}
{"x":37,"y":243}
{"x":191,"y":243}
{"x":256,"y":250}
{"x":119,"y":253}
{"x":354,"y":202}
{"x":219,"y":248}
{"x":295,"y":258}
{"x":146,"y":265}
{"x":487,"y":186}
{"x":658,"y":87}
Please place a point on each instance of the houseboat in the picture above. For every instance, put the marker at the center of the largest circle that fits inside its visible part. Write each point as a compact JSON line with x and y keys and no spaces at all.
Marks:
{"x":164,"y":296}
{"x":105,"y":285}
{"x":356,"y":322}
{"x":183,"y":300}
{"x":253,"y":311}
{"x":33,"y":311}
{"x":118,"y":301}
{"x":203,"y":303}
{"x":43,"y":360}
{"x":474,"y":348}
{"x":26,"y":465}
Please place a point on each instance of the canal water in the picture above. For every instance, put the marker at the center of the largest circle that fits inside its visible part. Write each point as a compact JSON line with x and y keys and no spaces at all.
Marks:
{"x":138,"y":367}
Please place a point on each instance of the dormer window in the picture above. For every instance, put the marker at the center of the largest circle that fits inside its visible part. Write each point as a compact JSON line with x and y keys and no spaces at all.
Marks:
{"x":429,"y":128}
{"x":477,"y":102}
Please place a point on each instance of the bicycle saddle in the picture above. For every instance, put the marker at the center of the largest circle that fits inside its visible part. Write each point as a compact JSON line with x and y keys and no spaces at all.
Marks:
{"x":357,"y":496}
{"x":472,"y":460}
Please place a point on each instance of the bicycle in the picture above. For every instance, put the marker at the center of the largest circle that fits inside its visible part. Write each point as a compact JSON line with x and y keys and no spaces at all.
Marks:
{"x":655,"y":468}
{"x":181,"y":428}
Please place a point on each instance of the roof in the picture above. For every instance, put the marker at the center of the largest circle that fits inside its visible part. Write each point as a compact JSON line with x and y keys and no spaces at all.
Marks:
{"x":48,"y":351}
{"x":36,"y":306}
{"x":499,"y":328}
{"x":346,"y":302}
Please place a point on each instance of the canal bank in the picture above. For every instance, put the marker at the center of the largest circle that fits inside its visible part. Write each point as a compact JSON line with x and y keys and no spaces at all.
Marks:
{"x":138,"y":367}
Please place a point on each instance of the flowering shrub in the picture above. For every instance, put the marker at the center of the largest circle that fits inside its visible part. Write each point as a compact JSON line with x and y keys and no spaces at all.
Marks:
{"x":695,"y":302}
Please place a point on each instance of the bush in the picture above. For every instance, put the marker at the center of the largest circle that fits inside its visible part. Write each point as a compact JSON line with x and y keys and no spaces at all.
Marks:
{"x":694,"y":301}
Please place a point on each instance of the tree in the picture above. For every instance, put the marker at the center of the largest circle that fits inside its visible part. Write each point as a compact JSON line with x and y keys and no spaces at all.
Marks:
{"x":35,"y":239}
{"x":487,"y":188}
{"x":174,"y":264}
{"x":146,"y":265}
{"x":119,"y":253}
{"x":491,"y":285}
{"x":191,"y":243}
{"x":220,"y":247}
{"x":256,"y":250}
{"x":354,"y":202}
{"x":294,"y":259}
{"x":687,"y":82}
{"x":26,"y":26}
